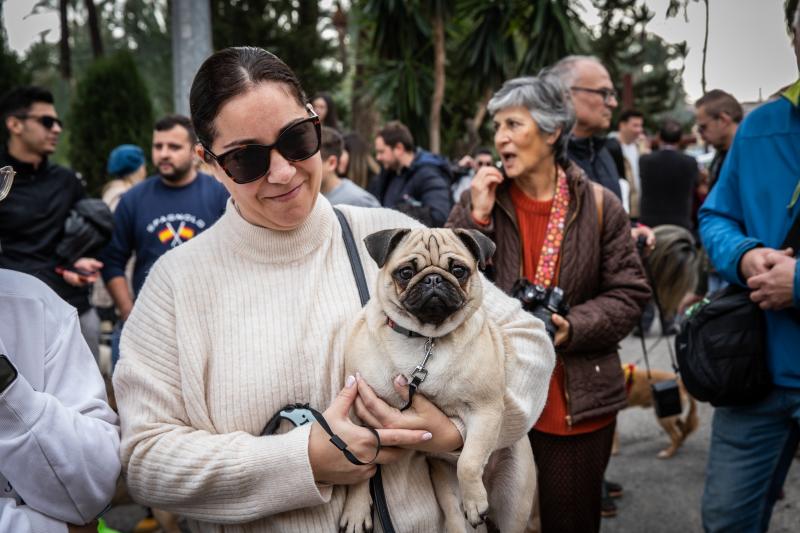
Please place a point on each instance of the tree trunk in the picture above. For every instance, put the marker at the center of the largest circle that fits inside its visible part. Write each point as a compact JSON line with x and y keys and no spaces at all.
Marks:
{"x":705,"y":52}
{"x":438,"y":82}
{"x":94,"y":29}
{"x":64,"y":60}
{"x":340,"y":23}
{"x":364,"y":118}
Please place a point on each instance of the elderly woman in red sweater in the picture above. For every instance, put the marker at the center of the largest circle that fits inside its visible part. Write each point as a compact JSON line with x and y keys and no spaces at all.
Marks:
{"x":554,"y":228}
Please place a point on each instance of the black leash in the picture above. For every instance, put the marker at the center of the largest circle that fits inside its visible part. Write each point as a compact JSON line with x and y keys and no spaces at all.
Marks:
{"x":300,"y":414}
{"x":376,"y":483}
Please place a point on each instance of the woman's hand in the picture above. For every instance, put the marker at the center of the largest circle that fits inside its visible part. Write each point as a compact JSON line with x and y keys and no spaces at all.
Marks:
{"x":329,"y":464}
{"x":562,"y":333}
{"x":422,"y":415}
{"x":483,"y":189}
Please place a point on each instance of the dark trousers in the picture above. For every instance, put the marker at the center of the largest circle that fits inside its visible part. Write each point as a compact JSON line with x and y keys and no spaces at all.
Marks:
{"x":570,"y":473}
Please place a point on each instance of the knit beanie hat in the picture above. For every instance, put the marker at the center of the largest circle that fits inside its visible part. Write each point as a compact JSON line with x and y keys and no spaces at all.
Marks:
{"x":124,"y":159}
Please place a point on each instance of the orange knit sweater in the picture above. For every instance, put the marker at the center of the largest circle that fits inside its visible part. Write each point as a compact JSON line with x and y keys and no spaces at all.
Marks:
{"x":532,"y":218}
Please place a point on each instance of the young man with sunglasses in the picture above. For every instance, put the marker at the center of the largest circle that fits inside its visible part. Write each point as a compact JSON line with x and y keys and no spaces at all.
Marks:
{"x":32,"y":220}
{"x":160,"y":213}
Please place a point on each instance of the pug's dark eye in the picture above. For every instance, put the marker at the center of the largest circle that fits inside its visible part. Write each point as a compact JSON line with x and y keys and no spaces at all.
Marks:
{"x":405,"y":273}
{"x":459,"y":271}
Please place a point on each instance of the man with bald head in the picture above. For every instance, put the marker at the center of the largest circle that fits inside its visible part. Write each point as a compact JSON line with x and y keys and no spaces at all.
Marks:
{"x":594,"y":98}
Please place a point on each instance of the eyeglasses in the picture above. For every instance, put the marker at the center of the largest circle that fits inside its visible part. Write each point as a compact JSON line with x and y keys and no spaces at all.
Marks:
{"x":607,"y":94}
{"x":296,"y":142}
{"x":6,"y":180}
{"x":483,"y":163}
{"x":47,"y":121}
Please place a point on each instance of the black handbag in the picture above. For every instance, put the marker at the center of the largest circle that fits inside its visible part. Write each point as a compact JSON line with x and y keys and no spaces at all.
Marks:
{"x":721,"y":346}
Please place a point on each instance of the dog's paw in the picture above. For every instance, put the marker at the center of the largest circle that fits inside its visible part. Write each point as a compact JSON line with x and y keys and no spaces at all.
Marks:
{"x":356,"y":517}
{"x":476,"y":509}
{"x":666,"y":454}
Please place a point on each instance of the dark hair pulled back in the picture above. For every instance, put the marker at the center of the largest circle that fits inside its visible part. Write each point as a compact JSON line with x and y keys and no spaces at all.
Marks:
{"x":229,"y":73}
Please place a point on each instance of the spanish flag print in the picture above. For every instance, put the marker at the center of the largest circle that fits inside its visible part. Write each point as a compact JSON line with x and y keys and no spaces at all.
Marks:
{"x":170,"y":234}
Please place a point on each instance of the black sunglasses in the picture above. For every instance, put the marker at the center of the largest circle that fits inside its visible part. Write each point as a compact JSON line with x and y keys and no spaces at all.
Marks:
{"x":45,"y":120}
{"x":296,"y":142}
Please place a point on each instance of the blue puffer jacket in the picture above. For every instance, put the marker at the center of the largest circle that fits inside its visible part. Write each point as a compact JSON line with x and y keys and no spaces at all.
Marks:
{"x":752,"y":205}
{"x":422,"y":189}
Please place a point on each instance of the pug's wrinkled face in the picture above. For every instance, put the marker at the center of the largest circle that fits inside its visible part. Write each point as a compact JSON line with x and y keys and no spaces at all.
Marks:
{"x":429,"y":280}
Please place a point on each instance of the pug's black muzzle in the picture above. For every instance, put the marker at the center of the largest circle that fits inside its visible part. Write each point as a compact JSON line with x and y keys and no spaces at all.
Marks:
{"x":433,"y":299}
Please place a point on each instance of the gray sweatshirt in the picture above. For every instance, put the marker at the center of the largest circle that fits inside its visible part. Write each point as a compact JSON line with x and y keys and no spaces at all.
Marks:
{"x":59,"y":439}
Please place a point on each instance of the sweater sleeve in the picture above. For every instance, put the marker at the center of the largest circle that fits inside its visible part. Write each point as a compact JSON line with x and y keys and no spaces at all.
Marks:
{"x":118,"y":251}
{"x":608,"y":317}
{"x":529,"y":368}
{"x":722,"y":222}
{"x":23,"y":519}
{"x":60,"y":446}
{"x":174,"y":459}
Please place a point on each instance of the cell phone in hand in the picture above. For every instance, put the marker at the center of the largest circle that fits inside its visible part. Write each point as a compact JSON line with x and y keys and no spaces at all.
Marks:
{"x":79,"y":271}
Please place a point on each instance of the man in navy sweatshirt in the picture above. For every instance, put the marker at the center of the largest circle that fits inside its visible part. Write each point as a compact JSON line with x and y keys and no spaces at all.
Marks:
{"x":161,"y":212}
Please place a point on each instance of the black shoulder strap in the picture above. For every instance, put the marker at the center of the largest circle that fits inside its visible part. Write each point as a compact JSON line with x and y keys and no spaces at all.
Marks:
{"x":793,"y":237}
{"x":376,"y":483}
{"x":355,"y":260}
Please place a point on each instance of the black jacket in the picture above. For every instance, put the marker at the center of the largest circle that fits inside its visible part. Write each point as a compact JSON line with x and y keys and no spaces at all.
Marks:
{"x":592,"y":155}
{"x":32,"y":223}
{"x":421,"y":190}
{"x":668,"y":179}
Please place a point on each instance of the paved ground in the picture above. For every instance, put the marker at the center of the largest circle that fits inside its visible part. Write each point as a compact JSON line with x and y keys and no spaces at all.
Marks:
{"x":661,"y":496}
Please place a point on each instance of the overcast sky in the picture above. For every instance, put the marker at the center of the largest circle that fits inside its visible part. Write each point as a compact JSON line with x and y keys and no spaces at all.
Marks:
{"x":748,"y":49}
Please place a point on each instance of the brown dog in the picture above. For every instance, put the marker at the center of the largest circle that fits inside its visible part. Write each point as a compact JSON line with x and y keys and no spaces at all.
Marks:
{"x":640,"y":395}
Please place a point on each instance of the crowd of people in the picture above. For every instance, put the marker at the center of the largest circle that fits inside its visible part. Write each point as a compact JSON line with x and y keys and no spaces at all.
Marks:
{"x":230,"y":290}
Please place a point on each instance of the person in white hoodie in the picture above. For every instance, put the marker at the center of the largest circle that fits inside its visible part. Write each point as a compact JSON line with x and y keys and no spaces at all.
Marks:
{"x":59,"y":439}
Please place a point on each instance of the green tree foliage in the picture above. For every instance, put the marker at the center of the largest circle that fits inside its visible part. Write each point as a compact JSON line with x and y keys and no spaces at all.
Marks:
{"x":289,"y":29}
{"x":13,"y":71}
{"x":624,"y":46}
{"x":110,"y":106}
{"x":487,"y":43}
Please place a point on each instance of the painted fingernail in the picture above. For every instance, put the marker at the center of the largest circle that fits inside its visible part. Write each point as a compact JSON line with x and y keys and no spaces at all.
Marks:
{"x":427,"y":436}
{"x":349,"y":382}
{"x":401,"y":380}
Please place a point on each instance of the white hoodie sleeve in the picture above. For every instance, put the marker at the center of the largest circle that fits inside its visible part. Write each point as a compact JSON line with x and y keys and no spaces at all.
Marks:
{"x":23,"y":519}
{"x":59,"y":446}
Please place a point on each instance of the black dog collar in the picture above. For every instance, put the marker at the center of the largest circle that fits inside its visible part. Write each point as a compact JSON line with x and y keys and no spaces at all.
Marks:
{"x":400,"y":329}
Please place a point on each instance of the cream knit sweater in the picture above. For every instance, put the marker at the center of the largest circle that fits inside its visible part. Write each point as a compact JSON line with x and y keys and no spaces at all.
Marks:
{"x":239,"y":322}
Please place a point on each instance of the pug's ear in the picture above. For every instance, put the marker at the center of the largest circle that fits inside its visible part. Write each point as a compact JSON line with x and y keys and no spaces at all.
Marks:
{"x":381,"y":243}
{"x":479,"y":244}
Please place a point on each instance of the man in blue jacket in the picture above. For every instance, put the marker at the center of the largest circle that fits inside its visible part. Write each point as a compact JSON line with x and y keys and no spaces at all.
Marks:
{"x":743,"y":223}
{"x":160,"y":213}
{"x":413,"y":180}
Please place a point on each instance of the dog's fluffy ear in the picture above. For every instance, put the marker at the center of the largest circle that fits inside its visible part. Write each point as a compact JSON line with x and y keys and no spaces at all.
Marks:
{"x":381,"y":243}
{"x":479,"y":244}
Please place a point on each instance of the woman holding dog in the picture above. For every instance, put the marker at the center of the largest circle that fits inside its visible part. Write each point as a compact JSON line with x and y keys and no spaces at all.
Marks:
{"x":557,"y":229}
{"x":253,"y":315}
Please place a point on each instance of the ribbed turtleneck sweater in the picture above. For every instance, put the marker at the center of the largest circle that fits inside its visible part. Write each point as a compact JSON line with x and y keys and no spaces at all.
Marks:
{"x":241,"y":321}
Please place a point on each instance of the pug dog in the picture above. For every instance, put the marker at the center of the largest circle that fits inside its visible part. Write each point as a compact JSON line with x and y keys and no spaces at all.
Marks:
{"x":428,"y":298}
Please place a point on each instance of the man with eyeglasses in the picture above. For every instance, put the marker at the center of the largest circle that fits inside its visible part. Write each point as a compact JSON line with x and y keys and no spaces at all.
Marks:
{"x":594,"y":99}
{"x":59,"y":439}
{"x":160,"y":213}
{"x":32,"y":220}
{"x":718,"y":117}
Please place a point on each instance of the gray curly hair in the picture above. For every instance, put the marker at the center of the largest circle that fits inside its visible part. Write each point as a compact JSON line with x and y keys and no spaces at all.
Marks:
{"x":548,"y":103}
